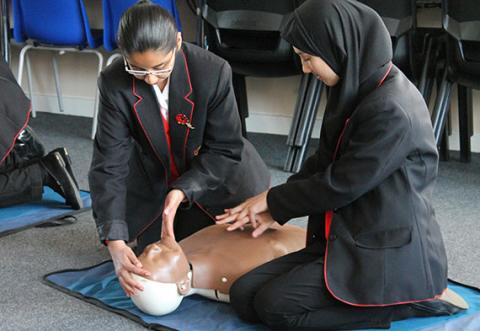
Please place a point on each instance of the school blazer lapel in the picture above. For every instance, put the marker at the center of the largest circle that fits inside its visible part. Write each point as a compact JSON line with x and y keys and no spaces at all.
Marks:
{"x":180,"y":110}
{"x":147,"y":113}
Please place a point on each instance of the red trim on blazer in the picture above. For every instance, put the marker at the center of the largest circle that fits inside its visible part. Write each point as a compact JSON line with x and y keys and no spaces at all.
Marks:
{"x":186,"y":97}
{"x":12,"y":145}
{"x":328,"y":223}
{"x":367,"y":305}
{"x":140,"y":98}
{"x":386,"y":74}
{"x":329,"y":213}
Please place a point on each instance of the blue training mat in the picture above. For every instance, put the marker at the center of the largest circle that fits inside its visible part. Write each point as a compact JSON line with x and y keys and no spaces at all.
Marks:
{"x":52,"y":206}
{"x":99,"y":285}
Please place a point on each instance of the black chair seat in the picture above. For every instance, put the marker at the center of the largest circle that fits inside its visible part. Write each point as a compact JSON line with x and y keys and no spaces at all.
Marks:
{"x":471,"y":50}
{"x":266,"y":69}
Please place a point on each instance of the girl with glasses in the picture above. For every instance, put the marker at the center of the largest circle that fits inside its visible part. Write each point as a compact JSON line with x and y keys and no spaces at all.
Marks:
{"x":168,"y":153}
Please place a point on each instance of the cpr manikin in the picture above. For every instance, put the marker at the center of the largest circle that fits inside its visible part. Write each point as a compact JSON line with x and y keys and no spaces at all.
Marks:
{"x":213,"y":254}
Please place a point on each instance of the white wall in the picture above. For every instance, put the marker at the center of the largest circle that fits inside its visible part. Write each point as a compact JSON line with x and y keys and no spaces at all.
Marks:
{"x":271,"y":100}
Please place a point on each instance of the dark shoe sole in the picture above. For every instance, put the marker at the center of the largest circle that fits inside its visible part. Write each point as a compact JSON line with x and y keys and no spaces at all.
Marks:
{"x":68,"y":162}
{"x":57,"y":170}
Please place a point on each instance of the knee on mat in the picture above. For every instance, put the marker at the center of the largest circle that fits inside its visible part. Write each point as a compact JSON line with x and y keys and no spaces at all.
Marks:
{"x":270,"y":310}
{"x":241,"y":300}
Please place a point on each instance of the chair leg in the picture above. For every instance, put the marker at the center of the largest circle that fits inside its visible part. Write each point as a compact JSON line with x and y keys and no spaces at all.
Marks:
{"x":21,"y":63}
{"x":440,"y":110}
{"x":95,"y":105}
{"x":303,"y":122}
{"x":240,"y":89}
{"x":309,"y":106}
{"x":422,"y":86}
{"x":435,"y":73}
{"x":444,"y":144}
{"x":111,"y":58}
{"x":22,"y":58}
{"x":297,"y":123}
{"x":56,"y":77}
{"x":317,"y":92}
{"x":464,"y":121}
{"x":297,"y":112}
{"x":30,"y":85}
{"x":200,"y":36}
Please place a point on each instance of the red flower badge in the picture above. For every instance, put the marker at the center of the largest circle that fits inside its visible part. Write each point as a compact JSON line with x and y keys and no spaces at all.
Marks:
{"x":183,"y":120}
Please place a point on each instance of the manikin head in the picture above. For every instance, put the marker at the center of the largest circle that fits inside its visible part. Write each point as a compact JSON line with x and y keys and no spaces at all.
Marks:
{"x":169,"y":281}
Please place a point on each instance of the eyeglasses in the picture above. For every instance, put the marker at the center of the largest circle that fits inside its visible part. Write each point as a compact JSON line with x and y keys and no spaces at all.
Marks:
{"x":140,"y":74}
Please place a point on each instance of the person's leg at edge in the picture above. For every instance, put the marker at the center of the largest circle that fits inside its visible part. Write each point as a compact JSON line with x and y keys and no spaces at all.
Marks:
{"x":22,"y":181}
{"x":19,"y":184}
{"x":243,"y":291}
{"x":299,"y":300}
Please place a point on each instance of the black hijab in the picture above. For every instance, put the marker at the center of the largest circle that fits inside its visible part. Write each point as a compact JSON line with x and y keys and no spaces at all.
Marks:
{"x":353,"y":40}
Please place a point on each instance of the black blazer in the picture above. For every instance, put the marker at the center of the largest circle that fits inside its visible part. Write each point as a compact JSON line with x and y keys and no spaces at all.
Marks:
{"x":130,"y":175}
{"x":384,"y":245}
{"x":14,"y":110}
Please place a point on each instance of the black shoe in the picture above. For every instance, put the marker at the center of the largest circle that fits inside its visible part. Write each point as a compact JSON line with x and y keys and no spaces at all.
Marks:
{"x":448,"y":303}
{"x":68,"y":162}
{"x":59,"y":179}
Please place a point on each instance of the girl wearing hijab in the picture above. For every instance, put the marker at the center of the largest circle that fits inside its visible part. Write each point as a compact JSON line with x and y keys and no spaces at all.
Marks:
{"x":374,"y":251}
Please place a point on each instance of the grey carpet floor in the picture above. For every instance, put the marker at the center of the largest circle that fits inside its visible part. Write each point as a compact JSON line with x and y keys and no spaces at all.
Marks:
{"x":27,"y":304}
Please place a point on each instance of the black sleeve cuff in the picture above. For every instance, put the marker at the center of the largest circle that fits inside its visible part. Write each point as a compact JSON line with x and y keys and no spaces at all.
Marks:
{"x":275,"y":206}
{"x":113,"y":230}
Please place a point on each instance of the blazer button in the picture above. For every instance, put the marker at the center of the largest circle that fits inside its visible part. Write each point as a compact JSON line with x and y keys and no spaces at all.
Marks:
{"x":332,"y":237}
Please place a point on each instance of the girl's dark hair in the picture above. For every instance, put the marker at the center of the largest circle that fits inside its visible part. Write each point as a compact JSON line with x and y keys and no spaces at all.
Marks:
{"x":146,"y":26}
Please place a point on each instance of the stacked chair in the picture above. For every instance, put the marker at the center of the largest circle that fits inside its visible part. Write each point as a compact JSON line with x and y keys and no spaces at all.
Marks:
{"x":399,"y":17}
{"x":247,"y":35}
{"x":55,"y":26}
{"x":461,"y":26}
{"x":63,"y":26}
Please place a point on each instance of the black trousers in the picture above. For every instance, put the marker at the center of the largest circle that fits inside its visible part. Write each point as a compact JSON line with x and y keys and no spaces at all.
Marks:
{"x":187,"y":222}
{"x":20,"y":181}
{"x":289,"y":293}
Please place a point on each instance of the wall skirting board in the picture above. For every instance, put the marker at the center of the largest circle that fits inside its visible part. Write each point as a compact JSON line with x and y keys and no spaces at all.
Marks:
{"x":77,"y":106}
{"x":257,"y":121}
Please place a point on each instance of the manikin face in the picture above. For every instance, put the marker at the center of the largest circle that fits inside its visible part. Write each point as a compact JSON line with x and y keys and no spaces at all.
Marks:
{"x":166,"y":261}
{"x":153,"y":66}
{"x":169,"y":280}
{"x":316,"y":66}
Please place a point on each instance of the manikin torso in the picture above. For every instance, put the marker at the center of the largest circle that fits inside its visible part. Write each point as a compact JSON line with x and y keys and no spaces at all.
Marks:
{"x":216,"y":257}
{"x":219,"y":257}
